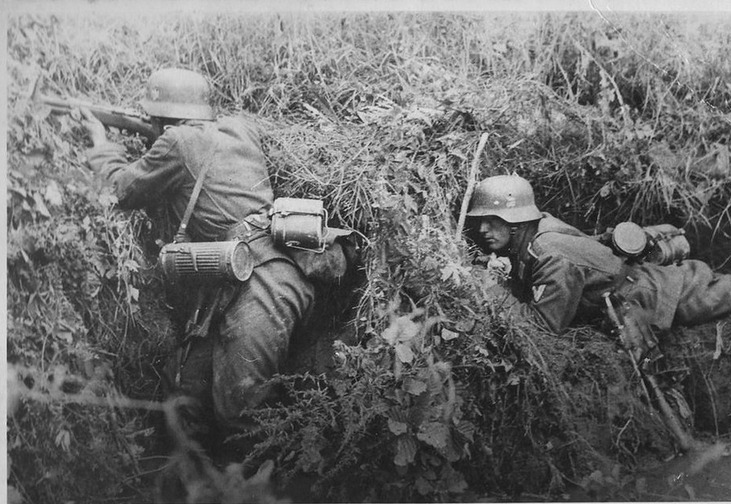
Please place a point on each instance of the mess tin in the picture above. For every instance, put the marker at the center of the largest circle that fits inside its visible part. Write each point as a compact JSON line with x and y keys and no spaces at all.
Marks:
{"x":662,"y":244}
{"x":299,"y":223}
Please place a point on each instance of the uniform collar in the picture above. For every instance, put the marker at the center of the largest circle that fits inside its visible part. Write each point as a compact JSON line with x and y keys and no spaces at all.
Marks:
{"x":522,"y":238}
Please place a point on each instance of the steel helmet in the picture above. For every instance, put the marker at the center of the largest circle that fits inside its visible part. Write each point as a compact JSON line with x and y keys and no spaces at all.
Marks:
{"x":509,"y":197}
{"x":178,"y":94}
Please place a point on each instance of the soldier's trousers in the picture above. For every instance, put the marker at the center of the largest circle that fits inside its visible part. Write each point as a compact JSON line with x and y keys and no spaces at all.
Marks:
{"x":705,"y":295}
{"x":229,"y":369}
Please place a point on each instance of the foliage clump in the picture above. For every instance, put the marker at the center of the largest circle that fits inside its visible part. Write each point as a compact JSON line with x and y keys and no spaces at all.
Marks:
{"x":435,"y":396}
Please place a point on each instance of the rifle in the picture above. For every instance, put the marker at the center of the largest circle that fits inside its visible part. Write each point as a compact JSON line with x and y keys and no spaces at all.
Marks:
{"x":116,"y":117}
{"x":622,"y":328}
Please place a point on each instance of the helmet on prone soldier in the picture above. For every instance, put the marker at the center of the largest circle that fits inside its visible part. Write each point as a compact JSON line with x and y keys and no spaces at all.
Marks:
{"x":508,"y":197}
{"x":178,"y":94}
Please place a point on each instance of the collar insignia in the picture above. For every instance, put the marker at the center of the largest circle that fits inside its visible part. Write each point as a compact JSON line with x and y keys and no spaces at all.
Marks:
{"x":538,"y":292}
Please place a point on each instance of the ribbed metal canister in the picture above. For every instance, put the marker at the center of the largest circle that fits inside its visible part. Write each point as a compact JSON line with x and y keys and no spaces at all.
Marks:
{"x":207,"y":261}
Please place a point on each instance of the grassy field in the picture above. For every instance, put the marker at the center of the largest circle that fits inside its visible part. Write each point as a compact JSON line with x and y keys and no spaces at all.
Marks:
{"x":413,"y":388}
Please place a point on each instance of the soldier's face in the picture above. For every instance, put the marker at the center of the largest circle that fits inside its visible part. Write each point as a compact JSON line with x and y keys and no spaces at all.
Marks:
{"x":494,"y":233}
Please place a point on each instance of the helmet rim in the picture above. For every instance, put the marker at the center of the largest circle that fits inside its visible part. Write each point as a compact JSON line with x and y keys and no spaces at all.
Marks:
{"x":512,"y":215}
{"x":177,"y":110}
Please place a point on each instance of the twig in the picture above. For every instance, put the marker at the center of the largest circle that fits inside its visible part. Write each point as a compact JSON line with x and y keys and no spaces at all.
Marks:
{"x":470,"y":185}
{"x":719,"y":340}
{"x":117,"y":402}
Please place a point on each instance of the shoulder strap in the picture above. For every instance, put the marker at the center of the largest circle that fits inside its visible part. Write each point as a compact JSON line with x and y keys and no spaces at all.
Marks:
{"x":566,"y":231}
{"x":529,"y":257}
{"x":181,"y":234}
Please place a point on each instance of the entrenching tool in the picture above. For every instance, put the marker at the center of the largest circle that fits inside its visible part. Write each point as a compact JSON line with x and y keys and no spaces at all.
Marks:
{"x":685,"y":440}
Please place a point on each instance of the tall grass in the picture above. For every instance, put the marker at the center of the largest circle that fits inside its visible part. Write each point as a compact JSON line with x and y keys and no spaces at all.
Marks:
{"x":612,"y":118}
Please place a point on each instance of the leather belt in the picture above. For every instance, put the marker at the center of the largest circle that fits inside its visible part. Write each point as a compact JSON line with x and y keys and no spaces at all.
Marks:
{"x":249,"y":229}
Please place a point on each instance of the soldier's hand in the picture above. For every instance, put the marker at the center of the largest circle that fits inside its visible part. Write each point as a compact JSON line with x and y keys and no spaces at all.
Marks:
{"x":94,"y":127}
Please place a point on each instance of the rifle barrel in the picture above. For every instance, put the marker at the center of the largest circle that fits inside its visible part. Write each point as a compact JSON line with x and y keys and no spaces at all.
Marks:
{"x":124,"y":122}
{"x":61,"y":104}
{"x":109,"y":116}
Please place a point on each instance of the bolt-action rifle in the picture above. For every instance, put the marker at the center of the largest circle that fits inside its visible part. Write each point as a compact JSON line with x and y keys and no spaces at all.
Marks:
{"x":623,"y":328}
{"x":116,"y":117}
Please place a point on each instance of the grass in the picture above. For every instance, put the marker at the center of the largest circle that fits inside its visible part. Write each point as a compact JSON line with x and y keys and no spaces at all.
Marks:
{"x":612,"y":118}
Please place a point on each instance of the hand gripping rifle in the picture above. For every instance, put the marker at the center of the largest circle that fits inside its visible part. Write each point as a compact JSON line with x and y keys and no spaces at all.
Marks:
{"x":624,"y":328}
{"x":116,"y":117}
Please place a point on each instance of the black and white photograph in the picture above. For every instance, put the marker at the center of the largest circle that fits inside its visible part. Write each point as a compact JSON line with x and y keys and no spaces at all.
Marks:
{"x":412,"y":251}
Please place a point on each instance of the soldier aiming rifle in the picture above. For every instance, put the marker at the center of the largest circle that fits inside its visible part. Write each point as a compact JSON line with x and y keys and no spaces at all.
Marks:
{"x":240,"y":297}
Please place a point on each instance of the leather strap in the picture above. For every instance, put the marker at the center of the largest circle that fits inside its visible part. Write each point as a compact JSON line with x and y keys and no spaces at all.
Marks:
{"x":181,"y":234}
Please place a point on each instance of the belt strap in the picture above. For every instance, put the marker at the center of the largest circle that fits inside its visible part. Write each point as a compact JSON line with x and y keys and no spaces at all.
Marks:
{"x":249,"y":228}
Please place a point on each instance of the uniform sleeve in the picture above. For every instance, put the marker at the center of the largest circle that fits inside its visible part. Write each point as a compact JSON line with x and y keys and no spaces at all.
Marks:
{"x":555,"y":292}
{"x":145,"y":181}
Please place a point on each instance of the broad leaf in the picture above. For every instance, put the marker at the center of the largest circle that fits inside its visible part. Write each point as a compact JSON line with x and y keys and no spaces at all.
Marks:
{"x":405,"y":450}
{"x":397,"y":428}
{"x":434,"y":434}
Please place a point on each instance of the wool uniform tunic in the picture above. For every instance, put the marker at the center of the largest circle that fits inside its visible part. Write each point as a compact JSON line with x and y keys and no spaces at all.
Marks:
{"x":248,"y":343}
{"x":560,"y":275}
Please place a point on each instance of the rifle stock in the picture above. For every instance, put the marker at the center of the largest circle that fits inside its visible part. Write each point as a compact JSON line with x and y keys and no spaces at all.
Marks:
{"x":115,"y":117}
